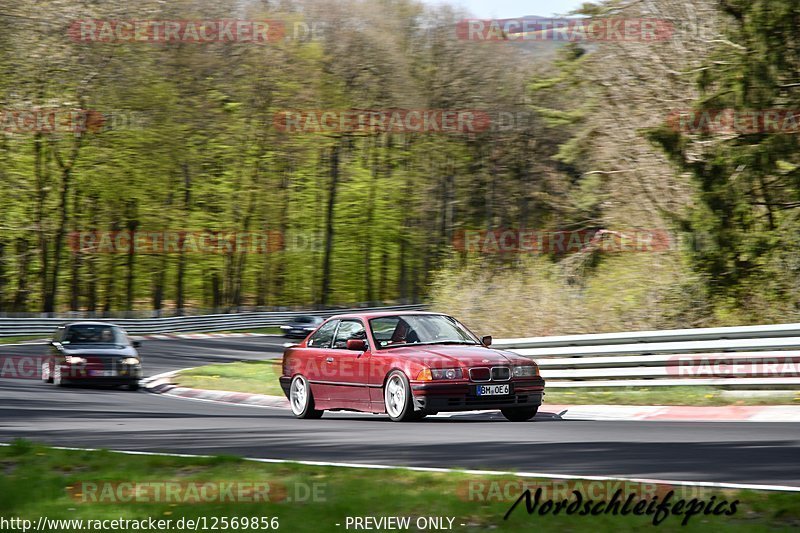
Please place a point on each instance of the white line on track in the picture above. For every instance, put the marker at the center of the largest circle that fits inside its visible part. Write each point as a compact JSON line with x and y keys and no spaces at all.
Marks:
{"x":737,"y":486}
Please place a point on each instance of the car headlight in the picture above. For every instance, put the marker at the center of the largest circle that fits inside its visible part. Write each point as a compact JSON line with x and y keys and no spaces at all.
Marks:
{"x":130,"y":361}
{"x":435,"y":374}
{"x":73,"y":360}
{"x":526,"y":371}
{"x":286,"y":327}
{"x":446,"y":373}
{"x":309,"y":329}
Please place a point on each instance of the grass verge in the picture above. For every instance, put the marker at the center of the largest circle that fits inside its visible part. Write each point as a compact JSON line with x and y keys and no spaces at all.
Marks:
{"x":257,"y":377}
{"x":75,"y":485}
{"x":12,"y":340}
{"x":699,"y":396}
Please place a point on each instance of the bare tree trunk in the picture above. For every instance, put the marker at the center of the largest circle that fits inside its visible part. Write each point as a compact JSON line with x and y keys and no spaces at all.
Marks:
{"x":3,"y":276}
{"x":369,"y":293}
{"x":325,"y":292}
{"x":130,"y":276}
{"x":75,"y":263}
{"x":158,"y":284}
{"x":58,"y":245}
{"x":23,"y":266}
{"x":40,"y":173}
{"x":109,"y":296}
{"x":180,"y":299}
{"x":91,"y":288}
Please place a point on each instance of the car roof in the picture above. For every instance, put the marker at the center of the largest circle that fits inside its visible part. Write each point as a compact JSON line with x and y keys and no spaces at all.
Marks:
{"x":368,"y":315}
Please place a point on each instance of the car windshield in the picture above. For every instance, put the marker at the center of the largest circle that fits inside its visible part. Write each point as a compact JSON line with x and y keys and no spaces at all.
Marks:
{"x":404,"y":330}
{"x":305,"y":320}
{"x":95,"y":334}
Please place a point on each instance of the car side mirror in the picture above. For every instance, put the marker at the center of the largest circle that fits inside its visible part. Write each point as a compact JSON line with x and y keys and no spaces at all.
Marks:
{"x":486,"y":340}
{"x":357,"y":345}
{"x":136,"y":344}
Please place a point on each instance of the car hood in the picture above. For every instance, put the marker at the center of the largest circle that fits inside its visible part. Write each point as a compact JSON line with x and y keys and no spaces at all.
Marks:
{"x":442,"y":356}
{"x":100,"y":350}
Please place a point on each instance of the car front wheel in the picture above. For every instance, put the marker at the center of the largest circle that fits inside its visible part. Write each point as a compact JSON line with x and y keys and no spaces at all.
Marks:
{"x":520,"y":414}
{"x":300,"y":399}
{"x":398,"y":400}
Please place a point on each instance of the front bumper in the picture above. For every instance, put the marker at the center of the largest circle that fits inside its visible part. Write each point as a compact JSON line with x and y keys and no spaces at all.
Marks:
{"x":437,"y":397}
{"x":97,"y":374}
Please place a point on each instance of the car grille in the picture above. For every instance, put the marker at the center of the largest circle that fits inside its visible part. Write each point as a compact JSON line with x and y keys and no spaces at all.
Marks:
{"x":480,"y":374}
{"x":483,"y":374}
{"x":501,"y":373}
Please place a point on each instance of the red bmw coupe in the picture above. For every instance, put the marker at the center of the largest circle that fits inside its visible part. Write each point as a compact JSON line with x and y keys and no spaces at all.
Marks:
{"x":407,"y":365}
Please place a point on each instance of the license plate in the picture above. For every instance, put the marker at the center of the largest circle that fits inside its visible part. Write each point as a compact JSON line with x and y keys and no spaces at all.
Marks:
{"x":492,"y":390}
{"x":101,"y":373}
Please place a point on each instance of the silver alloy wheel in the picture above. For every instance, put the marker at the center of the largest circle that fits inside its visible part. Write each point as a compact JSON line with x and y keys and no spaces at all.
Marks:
{"x":395,"y":396}
{"x":46,"y":372}
{"x":298,"y":395}
{"x":57,"y":374}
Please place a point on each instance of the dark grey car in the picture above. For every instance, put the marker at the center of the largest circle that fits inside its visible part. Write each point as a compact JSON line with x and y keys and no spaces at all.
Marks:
{"x":300,"y":326}
{"x":92,"y":353}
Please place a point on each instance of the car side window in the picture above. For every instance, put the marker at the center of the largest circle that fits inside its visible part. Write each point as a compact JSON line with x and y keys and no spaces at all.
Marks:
{"x":324,"y":335}
{"x":349,"y":329}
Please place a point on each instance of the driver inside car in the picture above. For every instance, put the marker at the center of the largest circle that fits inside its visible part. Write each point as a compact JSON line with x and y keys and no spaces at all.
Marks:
{"x":404,"y":334}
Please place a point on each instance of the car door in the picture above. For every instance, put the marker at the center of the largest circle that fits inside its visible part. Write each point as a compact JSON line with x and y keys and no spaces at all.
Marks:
{"x":349,"y":370}
{"x":314,"y":367}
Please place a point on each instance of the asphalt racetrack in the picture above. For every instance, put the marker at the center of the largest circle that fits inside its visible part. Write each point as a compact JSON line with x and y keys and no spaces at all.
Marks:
{"x":753,"y":453}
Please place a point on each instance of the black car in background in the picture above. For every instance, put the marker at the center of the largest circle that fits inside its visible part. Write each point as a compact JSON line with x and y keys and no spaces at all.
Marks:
{"x":300,"y":326}
{"x":92,"y":353}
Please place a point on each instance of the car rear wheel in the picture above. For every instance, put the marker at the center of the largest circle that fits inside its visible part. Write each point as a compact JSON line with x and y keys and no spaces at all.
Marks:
{"x":398,"y":400}
{"x":301,"y":400}
{"x":133,"y":386}
{"x":47,"y":376}
{"x":519,"y":414}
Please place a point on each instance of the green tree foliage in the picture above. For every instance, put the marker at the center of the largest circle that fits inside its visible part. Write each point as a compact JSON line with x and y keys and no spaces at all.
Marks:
{"x":190,"y":144}
{"x":746,"y":178}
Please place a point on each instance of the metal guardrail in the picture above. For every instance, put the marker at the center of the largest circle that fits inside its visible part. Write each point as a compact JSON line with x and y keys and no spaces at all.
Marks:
{"x":672,"y":335}
{"x":749,"y":357}
{"x":23,"y":327}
